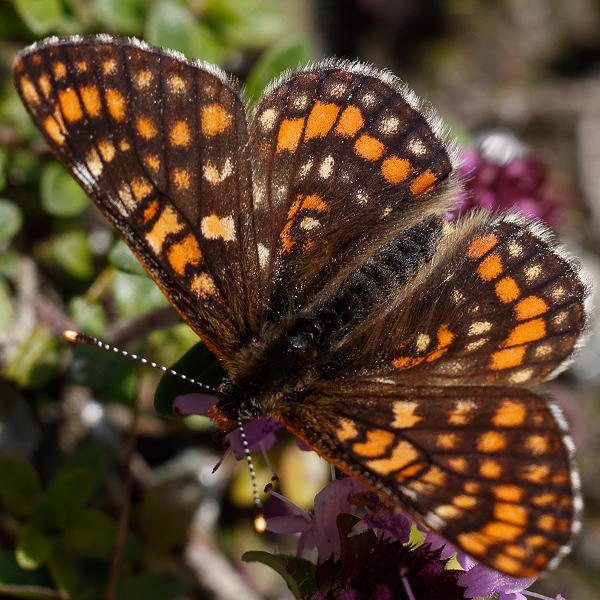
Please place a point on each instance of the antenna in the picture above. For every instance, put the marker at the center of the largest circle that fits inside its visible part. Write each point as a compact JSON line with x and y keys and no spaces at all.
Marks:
{"x":260,"y":523}
{"x":87,"y":340}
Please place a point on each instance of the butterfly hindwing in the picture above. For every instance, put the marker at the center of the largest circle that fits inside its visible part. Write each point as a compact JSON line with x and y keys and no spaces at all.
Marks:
{"x":160,"y":144}
{"x":489,"y":468}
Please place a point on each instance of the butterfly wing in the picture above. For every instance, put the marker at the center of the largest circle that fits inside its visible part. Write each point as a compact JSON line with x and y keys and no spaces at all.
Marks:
{"x":342,"y":162}
{"x":499,"y":304}
{"x":160,"y":144}
{"x":489,"y":468}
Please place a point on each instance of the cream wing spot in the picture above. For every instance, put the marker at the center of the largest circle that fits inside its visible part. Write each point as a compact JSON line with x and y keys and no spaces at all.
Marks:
{"x":263,"y":256}
{"x":326,"y":167}
{"x":268,"y":118}
{"x":204,"y":285}
{"x":214,"y":227}
{"x":479,"y":327}
{"x":416,"y":146}
{"x":93,"y":162}
{"x":107,"y":150}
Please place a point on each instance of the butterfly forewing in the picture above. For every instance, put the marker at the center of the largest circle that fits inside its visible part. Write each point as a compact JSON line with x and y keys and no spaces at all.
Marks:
{"x":342,"y":161}
{"x":160,"y":144}
{"x":489,"y":468}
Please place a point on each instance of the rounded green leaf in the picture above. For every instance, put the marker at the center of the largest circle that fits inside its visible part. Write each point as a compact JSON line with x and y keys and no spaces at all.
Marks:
{"x":88,"y":316}
{"x":19,"y":485}
{"x":72,"y":252}
{"x":124,"y":16}
{"x":136,"y":295}
{"x":33,"y":547}
{"x":15,"y":581}
{"x":90,"y":533}
{"x":41,"y":16}
{"x":124,"y":259}
{"x":11,"y":220}
{"x":61,"y":195}
{"x":63,"y":564}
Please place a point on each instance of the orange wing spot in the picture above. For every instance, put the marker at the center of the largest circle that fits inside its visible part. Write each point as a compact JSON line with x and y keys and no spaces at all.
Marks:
{"x":491,"y":441}
{"x":321,"y":119}
{"x":490,"y":469}
{"x":290,"y":131}
{"x":511,"y":513}
{"x":395,"y":169}
{"x":464,"y":501}
{"x":460,"y":414}
{"x":530,"y":307}
{"x":45,"y":85}
{"x":90,"y":97}
{"x":508,"y":492}
{"x":516,"y":551}
{"x":472,"y":487}
{"x":546,"y":522}
{"x":115,"y":101}
{"x":166,"y":224}
{"x":124,"y":145}
{"x":314,"y":202}
{"x":445,"y":337}
{"x":403,"y":454}
{"x":204,"y":285}
{"x":545,"y":499}
{"x":29,"y":91}
{"x":459,"y":464}
{"x":286,"y":237}
{"x":510,"y":565}
{"x":535,"y":541}
{"x":53,"y":129}
{"x":346,"y":430}
{"x":140,"y":187}
{"x":435,"y":476}
{"x":538,"y":444}
{"x":473,"y":543}
{"x":152,"y":162}
{"x":378,"y":441}
{"x":350,"y":122}
{"x":70,"y":105}
{"x":177,"y":84}
{"x":502,"y":531}
{"x":150,"y":211}
{"x":186,"y":252}
{"x":146,"y":128}
{"x":181,"y":178}
{"x":507,"y":290}
{"x":180,"y":134}
{"x":368,"y":147}
{"x":447,"y":441}
{"x":404,"y":414}
{"x":59,"y":69}
{"x":535,"y":473}
{"x":109,"y":66}
{"x":410,"y":471}
{"x":214,"y":119}
{"x":406,"y":362}
{"x":423,"y":183}
{"x":214,"y":227}
{"x":505,"y":359}
{"x":526,"y":332}
{"x":509,"y":414}
{"x":490,"y":267}
{"x":107,"y":150}
{"x":482,"y":245}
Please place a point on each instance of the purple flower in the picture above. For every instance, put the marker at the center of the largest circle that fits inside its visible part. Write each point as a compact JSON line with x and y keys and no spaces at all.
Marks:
{"x":504,"y":181}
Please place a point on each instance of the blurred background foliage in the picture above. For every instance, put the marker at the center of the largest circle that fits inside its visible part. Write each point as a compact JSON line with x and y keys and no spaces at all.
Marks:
{"x":529,"y":66}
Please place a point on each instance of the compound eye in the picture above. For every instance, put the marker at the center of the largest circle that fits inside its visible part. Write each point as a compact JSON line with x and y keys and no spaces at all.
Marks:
{"x":225,"y":390}
{"x":300,"y":342}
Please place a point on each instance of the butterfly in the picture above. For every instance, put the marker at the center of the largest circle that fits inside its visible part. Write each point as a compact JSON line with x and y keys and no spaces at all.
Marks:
{"x":310,"y":252}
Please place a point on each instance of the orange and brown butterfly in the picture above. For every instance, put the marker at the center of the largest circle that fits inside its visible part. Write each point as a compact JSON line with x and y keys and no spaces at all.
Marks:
{"x":309,"y":251}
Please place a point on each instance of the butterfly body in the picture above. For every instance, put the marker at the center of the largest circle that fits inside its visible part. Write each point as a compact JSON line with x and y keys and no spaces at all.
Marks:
{"x":309,"y":251}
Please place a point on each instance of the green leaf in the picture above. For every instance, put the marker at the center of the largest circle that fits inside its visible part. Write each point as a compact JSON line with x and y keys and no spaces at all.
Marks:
{"x":89,"y":457}
{"x":88,"y":316}
{"x":136,"y":295}
{"x":90,"y":533}
{"x":19,"y":486}
{"x":200,"y":364}
{"x":23,"y":583}
{"x":298,"y":573}
{"x":35,"y":360}
{"x":288,"y":55}
{"x":64,"y":568}
{"x":172,"y":25}
{"x":33,"y":547}
{"x":69,"y":491}
{"x":124,"y":16}
{"x":41,"y":16}
{"x":60,"y":194}
{"x":7,"y":312}
{"x":125,"y":260}
{"x":11,"y":220}
{"x":72,"y":252}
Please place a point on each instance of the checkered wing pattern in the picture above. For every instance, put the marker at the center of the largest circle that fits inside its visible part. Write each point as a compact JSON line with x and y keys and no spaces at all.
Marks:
{"x":342,"y":162}
{"x":489,"y":468}
{"x":160,"y":145}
